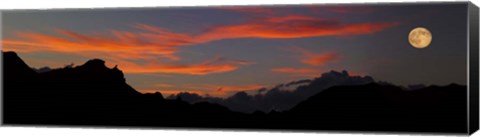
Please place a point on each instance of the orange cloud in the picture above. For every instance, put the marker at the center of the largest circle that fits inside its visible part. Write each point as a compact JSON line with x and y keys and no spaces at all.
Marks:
{"x":149,"y":43}
{"x":164,"y":85}
{"x":120,"y":45}
{"x":238,"y":88}
{"x":121,"y":53}
{"x":320,"y":59}
{"x":166,"y":93}
{"x":312,"y":59}
{"x":294,"y":26}
{"x":215,"y":65}
{"x":153,"y":41}
{"x":316,"y":59}
{"x":195,"y":69}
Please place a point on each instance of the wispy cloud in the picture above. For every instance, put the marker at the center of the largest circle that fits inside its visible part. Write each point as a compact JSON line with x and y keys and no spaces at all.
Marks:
{"x":163,"y":85}
{"x":320,"y":59}
{"x":301,"y":72}
{"x":317,"y":59}
{"x":314,"y":62}
{"x":120,"y":45}
{"x":152,"y":40}
{"x":295,"y":26}
{"x":149,"y":43}
{"x":211,"y":66}
{"x":238,"y":88}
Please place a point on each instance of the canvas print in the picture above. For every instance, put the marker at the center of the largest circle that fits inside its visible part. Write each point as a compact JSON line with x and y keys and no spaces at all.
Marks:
{"x":405,"y":67}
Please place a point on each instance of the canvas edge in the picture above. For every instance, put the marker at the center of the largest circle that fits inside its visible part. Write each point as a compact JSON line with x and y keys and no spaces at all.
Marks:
{"x":1,"y":71}
{"x":473,"y":66}
{"x":472,"y":71}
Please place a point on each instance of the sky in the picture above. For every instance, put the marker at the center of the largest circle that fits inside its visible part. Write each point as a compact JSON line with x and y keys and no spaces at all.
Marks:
{"x":223,"y":49}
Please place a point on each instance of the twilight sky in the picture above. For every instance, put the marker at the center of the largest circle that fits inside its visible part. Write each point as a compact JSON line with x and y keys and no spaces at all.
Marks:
{"x":218,"y":50}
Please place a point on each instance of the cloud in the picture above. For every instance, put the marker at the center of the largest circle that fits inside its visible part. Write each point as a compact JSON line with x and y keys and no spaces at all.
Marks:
{"x":215,"y":65}
{"x":314,"y":60}
{"x":121,"y":47}
{"x":164,"y":85}
{"x":304,"y":72}
{"x":294,"y":26}
{"x":204,"y":89}
{"x":239,"y":88}
{"x":195,"y":69}
{"x":317,"y":59}
{"x":278,"y":97}
{"x":150,"y":43}
{"x":320,"y":59}
{"x":224,"y":90}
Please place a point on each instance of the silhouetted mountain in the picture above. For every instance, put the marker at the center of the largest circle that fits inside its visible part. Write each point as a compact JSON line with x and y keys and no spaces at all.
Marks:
{"x":95,"y":95}
{"x":283,"y":96}
{"x":89,"y":94}
{"x":17,"y":69}
{"x":386,"y":107}
{"x":416,"y":86}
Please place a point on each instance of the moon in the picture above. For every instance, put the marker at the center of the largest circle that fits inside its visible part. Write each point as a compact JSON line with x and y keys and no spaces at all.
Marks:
{"x":420,"y":37}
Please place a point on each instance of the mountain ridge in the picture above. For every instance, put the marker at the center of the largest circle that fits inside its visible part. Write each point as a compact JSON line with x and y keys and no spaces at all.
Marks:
{"x":58,"y":97}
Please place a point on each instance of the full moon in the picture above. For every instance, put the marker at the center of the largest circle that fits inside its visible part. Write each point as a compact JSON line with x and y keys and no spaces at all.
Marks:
{"x":420,"y":37}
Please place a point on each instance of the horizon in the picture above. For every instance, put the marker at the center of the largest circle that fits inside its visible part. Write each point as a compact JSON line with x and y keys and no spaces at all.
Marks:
{"x":172,"y":50}
{"x":167,"y":94}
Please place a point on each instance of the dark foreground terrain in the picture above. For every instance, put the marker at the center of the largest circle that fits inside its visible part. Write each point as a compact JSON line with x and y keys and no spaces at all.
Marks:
{"x":95,"y":95}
